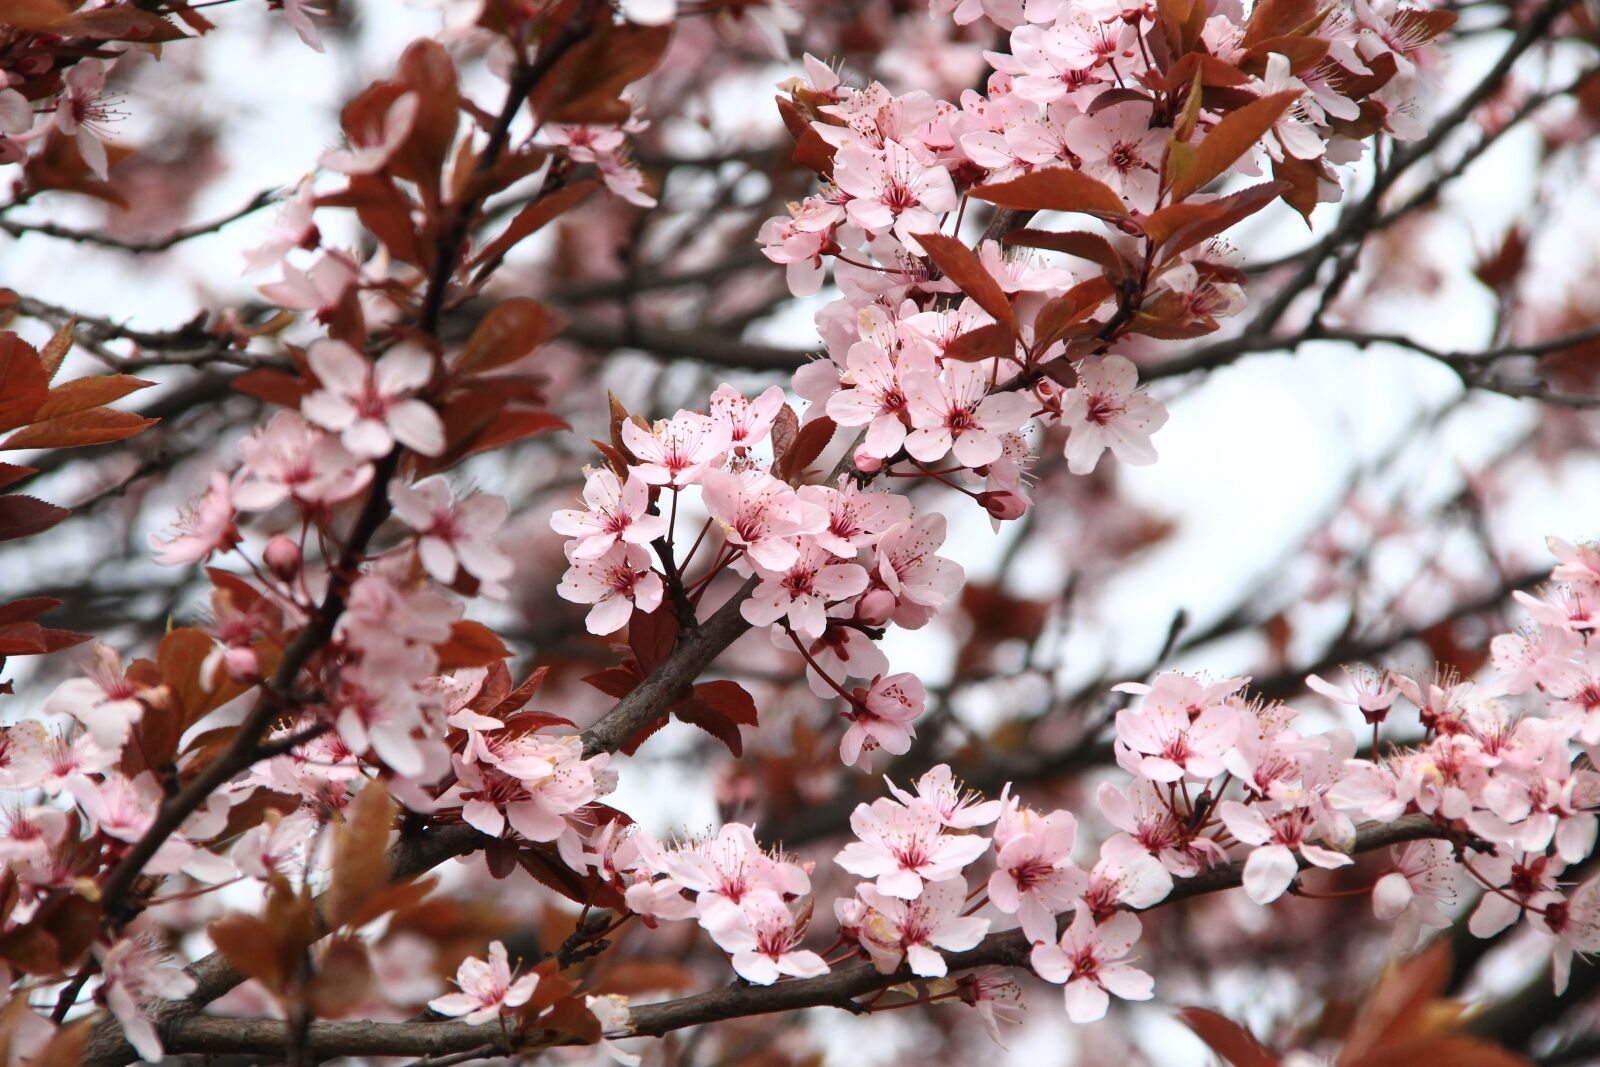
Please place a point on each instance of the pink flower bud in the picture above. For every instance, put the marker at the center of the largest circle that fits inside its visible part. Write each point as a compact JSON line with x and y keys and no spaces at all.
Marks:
{"x":242,"y":663}
{"x":866,"y":463}
{"x":1004,"y":504}
{"x":282,"y":557}
{"x":875,"y":608}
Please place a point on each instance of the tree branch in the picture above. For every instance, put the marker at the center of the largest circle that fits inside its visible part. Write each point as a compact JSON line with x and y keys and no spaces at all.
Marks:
{"x":838,"y":989}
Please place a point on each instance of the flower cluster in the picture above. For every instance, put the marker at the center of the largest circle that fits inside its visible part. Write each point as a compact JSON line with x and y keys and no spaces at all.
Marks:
{"x":832,"y":563}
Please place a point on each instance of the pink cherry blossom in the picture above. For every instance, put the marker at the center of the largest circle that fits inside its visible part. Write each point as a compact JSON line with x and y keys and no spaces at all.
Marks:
{"x":677,"y":451}
{"x":487,"y":988}
{"x":83,"y":111}
{"x":874,"y":393}
{"x":957,"y":412}
{"x":842,"y":651}
{"x":1415,"y":892}
{"x":1093,"y":961}
{"x":293,"y":227}
{"x":454,"y":533}
{"x":727,"y":872}
{"x":956,"y":807}
{"x":893,"y":191}
{"x":1105,"y":409}
{"x":762,"y":515}
{"x":106,"y":702}
{"x":909,"y":567}
{"x":856,"y":517}
{"x":1371,"y":691}
{"x":1277,"y":831}
{"x":1148,"y":823}
{"x":749,"y":421}
{"x":1127,"y":875}
{"x":895,"y":930}
{"x":205,"y":528}
{"x":615,"y":583}
{"x":882,"y":718}
{"x":1035,"y":878}
{"x":1171,"y":747}
{"x":288,"y":457}
{"x":371,"y":406}
{"x":903,"y":847}
{"x":800,"y":595}
{"x":1294,"y":133}
{"x":318,"y":288}
{"x":375,"y":145}
{"x":763,"y":938}
{"x":615,"y":511}
{"x":1118,"y":146}
{"x":134,"y":974}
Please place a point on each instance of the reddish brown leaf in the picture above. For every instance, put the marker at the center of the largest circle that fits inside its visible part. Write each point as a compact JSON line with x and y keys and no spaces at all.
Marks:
{"x":27,"y":608}
{"x":11,"y":473}
{"x":1300,"y":176}
{"x":615,"y":682}
{"x":1454,"y":1051}
{"x":360,"y":846}
{"x":95,"y":426}
{"x":584,"y":86}
{"x":1089,"y":246}
{"x":513,"y":425}
{"x":696,"y":712}
{"x":1237,"y":133}
{"x":652,"y":635}
{"x":511,"y":329}
{"x":85,"y":393}
{"x":982,"y":342}
{"x":1227,"y":1038}
{"x":1278,"y":18}
{"x":961,"y":265}
{"x":23,"y":382}
{"x":813,"y":437}
{"x":24,"y":516}
{"x":728,"y":698}
{"x":343,"y":977}
{"x":66,"y":1046}
{"x":55,"y":350}
{"x":1182,"y":226}
{"x":426,"y":69}
{"x":251,"y":948}
{"x":1055,"y":189}
{"x":273,"y":386}
{"x":471,"y":644}
{"x":1075,"y":305}
{"x":1303,"y":53}
{"x":533,"y":217}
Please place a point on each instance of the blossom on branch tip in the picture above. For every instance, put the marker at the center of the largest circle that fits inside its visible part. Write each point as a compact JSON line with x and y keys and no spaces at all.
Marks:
{"x":882,"y":717}
{"x":615,"y":583}
{"x":135,"y":974}
{"x":1105,"y":409}
{"x":454,"y":532}
{"x":371,"y":406}
{"x":205,"y":528}
{"x":615,"y":510}
{"x":486,"y":988}
{"x":1092,"y":960}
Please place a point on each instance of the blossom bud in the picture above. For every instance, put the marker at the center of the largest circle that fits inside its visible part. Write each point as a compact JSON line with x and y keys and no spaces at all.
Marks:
{"x":282,"y":557}
{"x":875,"y":608}
{"x":865,"y":462}
{"x":242,"y":663}
{"x":1004,"y":504}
